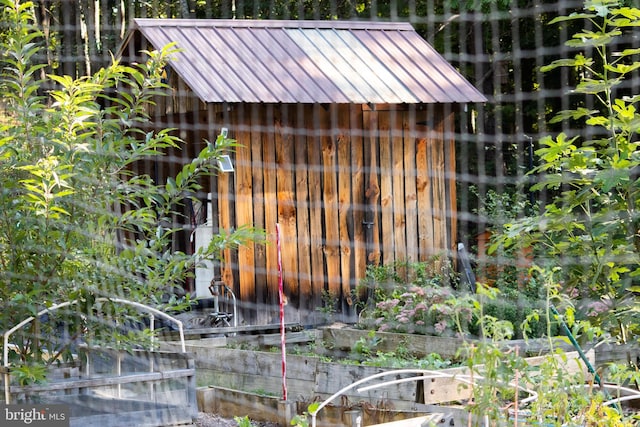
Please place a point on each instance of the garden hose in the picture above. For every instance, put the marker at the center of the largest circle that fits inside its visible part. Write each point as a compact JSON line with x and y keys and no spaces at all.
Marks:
{"x":573,"y":340}
{"x":583,"y":356}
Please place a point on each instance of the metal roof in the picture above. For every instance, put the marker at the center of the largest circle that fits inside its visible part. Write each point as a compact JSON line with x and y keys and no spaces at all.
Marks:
{"x":272,"y":61}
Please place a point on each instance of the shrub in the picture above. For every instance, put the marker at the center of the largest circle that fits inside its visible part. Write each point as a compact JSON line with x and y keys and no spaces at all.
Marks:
{"x":76,"y":221}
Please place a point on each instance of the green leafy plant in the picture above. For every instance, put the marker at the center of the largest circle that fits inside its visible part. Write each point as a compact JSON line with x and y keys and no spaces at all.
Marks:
{"x":365,"y":346}
{"x":243,"y":421}
{"x":563,"y":396}
{"x":413,"y":297}
{"x":77,"y":222}
{"x":302,"y":420}
{"x":329,"y":305}
{"x":589,"y":229}
{"x":422,"y":305}
{"x":395,"y":360}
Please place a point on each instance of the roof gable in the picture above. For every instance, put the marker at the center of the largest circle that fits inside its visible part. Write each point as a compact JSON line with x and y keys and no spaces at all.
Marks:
{"x":274,"y":61}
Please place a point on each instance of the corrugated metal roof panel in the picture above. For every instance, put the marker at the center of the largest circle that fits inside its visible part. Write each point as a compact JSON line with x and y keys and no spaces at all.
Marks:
{"x":308,"y":62}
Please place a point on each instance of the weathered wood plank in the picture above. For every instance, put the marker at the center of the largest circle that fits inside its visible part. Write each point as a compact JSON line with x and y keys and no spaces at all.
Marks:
{"x":306,"y":376}
{"x":345,"y":203}
{"x":386,"y":189}
{"x":419,"y":345}
{"x":287,"y":210}
{"x":425,"y":420}
{"x":358,"y":179}
{"x":329,"y":194}
{"x":253,"y":364}
{"x":244,"y":211}
{"x":450,"y":177}
{"x":230,"y":329}
{"x":331,"y":377}
{"x":229,"y":403}
{"x":257,"y":176}
{"x":330,"y":200}
{"x":450,"y":389}
{"x":410,"y":178}
{"x":423,"y":192}
{"x":302,"y":166}
{"x":290,"y":338}
{"x":313,"y":116}
{"x":398,"y":177}
{"x":372,"y":191}
{"x":105,"y":381}
{"x":270,"y":213}
{"x":437,"y":183}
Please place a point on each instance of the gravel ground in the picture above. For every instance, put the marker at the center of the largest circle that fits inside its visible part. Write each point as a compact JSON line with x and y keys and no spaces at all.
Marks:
{"x":215,"y":420}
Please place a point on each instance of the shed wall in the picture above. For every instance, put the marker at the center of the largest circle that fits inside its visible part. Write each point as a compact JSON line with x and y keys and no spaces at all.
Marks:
{"x":350,"y":185}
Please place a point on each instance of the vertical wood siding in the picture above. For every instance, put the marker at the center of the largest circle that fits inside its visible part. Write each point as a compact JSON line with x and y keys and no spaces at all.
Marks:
{"x":350,"y":185}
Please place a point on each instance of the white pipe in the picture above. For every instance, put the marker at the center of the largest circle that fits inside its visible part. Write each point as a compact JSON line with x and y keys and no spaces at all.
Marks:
{"x":467,"y":379}
{"x":152,"y":310}
{"x":424,"y":374}
{"x":621,"y":399}
{"x":461,"y":378}
{"x":8,"y":333}
{"x":363,"y":380}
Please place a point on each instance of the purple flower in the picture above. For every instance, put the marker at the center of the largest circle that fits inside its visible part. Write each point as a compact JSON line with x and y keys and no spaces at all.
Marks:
{"x":417,"y":290}
{"x":403,"y":319}
{"x":595,"y":308}
{"x":440,"y":327}
{"x":421,"y":307}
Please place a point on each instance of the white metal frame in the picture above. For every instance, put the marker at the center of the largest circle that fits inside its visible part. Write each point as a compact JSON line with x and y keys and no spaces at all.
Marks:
{"x":152,"y":313}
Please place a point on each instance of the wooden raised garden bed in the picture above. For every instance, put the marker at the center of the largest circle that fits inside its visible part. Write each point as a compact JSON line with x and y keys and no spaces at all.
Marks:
{"x":250,"y":382}
{"x":106,"y":388}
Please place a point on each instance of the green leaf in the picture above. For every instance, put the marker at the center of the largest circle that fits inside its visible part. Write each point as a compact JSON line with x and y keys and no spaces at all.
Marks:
{"x":594,"y":87}
{"x":313,"y":407}
{"x":622,"y":68}
{"x":556,"y":148}
{"x":611,"y":178}
{"x":578,"y":61}
{"x":598,"y":121}
{"x":572,"y":17}
{"x":572,"y":114}
{"x":632,"y":13}
{"x":627,"y":52}
{"x":594,"y":40}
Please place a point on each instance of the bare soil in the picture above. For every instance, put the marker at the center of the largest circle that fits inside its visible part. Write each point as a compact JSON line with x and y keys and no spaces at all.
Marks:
{"x":214,"y":420}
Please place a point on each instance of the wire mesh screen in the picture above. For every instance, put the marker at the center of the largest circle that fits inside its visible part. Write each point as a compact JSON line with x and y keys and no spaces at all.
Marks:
{"x":414,"y":182}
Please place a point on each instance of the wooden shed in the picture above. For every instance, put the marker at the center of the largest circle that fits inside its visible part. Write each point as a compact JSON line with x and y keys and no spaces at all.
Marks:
{"x":347,"y":141}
